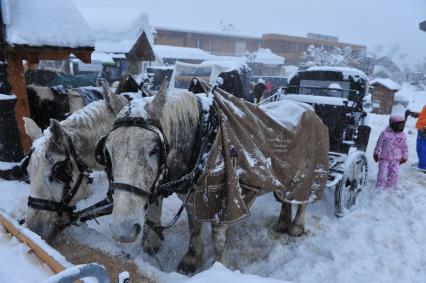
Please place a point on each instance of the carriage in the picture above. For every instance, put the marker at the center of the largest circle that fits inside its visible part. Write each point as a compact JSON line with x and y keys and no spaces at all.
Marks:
{"x":234,"y":76}
{"x":340,"y":98}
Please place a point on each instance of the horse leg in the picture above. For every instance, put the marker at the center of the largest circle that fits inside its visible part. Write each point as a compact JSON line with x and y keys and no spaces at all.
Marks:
{"x":151,"y":242}
{"x":284,"y":219}
{"x":297,"y":227}
{"x":194,"y":256}
{"x":219,"y":237}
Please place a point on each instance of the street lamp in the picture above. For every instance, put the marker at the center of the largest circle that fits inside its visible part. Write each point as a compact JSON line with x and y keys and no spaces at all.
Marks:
{"x":422,"y":26}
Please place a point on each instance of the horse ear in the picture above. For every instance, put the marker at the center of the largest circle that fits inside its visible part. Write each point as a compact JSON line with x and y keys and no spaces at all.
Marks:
{"x":114,"y":102}
{"x":57,"y":132}
{"x":31,"y":129}
{"x":155,"y":108}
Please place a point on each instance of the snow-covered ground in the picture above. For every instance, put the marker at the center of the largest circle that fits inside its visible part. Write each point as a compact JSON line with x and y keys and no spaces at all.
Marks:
{"x":382,"y":239}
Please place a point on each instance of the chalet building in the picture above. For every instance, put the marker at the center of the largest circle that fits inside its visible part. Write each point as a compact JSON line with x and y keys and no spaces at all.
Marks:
{"x":237,"y":44}
{"x":213,"y":42}
{"x":292,"y":48}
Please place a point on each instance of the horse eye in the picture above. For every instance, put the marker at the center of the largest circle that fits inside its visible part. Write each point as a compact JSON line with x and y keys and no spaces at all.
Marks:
{"x":153,"y":151}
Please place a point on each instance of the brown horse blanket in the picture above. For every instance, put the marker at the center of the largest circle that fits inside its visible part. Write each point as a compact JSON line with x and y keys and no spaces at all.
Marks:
{"x":280,"y":147}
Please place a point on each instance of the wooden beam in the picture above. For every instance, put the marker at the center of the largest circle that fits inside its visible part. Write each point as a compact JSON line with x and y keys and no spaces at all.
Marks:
{"x":15,"y":70}
{"x":34,"y":54}
{"x":84,"y":55}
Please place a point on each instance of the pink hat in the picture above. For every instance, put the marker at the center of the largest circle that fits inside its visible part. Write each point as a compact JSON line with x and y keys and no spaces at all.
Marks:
{"x":396,"y":119}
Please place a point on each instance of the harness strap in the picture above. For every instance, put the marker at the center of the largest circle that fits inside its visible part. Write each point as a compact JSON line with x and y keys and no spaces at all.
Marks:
{"x":49,"y":205}
{"x":129,"y":188}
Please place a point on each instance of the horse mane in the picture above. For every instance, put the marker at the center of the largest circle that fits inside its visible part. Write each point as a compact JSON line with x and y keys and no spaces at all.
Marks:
{"x":85,"y":127}
{"x":181,"y":109}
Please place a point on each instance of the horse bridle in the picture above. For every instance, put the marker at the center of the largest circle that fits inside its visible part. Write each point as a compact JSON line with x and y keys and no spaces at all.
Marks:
{"x":102,"y":156}
{"x":61,"y":172}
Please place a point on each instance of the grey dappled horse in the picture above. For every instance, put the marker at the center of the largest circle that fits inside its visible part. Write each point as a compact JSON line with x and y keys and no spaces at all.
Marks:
{"x":134,"y":155}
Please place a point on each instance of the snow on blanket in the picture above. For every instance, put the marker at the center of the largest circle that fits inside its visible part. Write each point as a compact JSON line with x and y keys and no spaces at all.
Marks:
{"x":381,"y":240}
{"x":31,"y":23}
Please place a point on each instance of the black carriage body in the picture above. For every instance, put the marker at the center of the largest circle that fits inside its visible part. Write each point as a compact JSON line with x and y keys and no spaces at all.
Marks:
{"x":337,"y":97}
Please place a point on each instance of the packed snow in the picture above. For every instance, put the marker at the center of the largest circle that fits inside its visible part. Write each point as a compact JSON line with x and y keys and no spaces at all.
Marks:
{"x":31,"y":23}
{"x":380,"y":240}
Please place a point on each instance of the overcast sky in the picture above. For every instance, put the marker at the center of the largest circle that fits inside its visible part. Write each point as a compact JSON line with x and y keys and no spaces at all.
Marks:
{"x":368,"y":22}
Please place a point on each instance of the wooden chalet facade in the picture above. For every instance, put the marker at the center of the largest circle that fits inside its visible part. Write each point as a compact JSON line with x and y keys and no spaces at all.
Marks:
{"x":292,"y":48}
{"x":213,"y":42}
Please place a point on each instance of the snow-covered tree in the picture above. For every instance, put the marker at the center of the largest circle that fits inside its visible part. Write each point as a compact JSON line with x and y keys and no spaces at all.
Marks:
{"x":320,"y":56}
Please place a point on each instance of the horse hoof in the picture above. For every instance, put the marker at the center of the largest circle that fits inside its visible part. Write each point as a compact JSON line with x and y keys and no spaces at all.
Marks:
{"x":188,"y":265}
{"x":280,"y":229}
{"x":296,"y":230}
{"x":187,"y":269}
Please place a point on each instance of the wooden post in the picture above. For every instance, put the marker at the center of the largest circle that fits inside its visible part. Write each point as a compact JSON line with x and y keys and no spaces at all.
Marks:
{"x":10,"y":145}
{"x":15,"y":69}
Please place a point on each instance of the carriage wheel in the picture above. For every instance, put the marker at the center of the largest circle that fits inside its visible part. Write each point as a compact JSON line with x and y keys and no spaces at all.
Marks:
{"x":353,"y":181}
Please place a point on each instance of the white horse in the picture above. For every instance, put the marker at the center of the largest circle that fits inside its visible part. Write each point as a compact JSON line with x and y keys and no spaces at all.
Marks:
{"x":81,"y":131}
{"x":135,"y":159}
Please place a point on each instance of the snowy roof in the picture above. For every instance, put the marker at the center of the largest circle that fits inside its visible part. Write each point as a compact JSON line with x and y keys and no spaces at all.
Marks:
{"x":56,"y":23}
{"x":266,"y":56}
{"x":388,"y":83}
{"x":117,"y":30}
{"x":381,"y":70}
{"x":211,"y":32}
{"x":346,"y":71}
{"x":182,"y":53}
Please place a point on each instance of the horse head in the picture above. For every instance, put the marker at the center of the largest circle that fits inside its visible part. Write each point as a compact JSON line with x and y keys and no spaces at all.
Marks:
{"x":53,"y":171}
{"x":60,"y":162}
{"x":136,"y":153}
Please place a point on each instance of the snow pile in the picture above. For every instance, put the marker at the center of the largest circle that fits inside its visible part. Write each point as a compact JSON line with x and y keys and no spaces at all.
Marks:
{"x":287,"y":113}
{"x":388,"y":83}
{"x":182,"y":53}
{"x":18,"y":264}
{"x":117,"y":29}
{"x":219,"y":273}
{"x":266,"y":56}
{"x":45,"y":23}
{"x":346,"y":71}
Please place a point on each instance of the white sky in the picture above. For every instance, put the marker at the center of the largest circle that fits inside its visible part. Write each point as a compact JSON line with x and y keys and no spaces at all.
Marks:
{"x":368,"y":22}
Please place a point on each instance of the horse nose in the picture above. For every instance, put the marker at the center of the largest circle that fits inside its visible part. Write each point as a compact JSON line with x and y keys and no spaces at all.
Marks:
{"x":129,"y":234}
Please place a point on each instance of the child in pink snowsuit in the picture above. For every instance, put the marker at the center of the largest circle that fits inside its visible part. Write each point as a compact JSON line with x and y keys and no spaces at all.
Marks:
{"x":391,"y":151}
